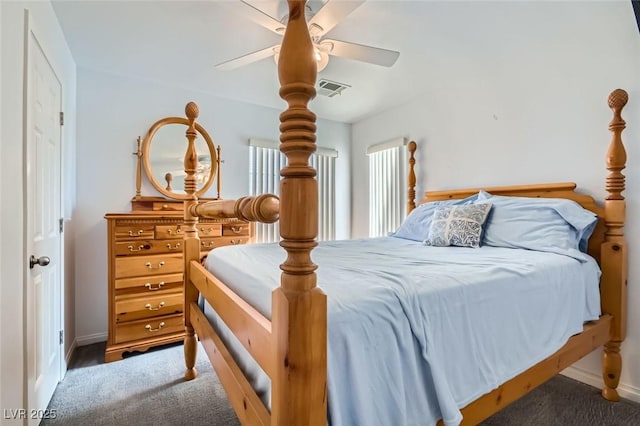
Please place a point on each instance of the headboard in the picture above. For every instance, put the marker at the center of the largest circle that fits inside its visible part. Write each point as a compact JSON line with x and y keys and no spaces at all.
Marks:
{"x":608,"y":235}
{"x":545,"y":190}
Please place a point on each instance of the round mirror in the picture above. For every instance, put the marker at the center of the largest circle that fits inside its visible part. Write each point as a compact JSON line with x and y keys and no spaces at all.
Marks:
{"x":163,"y":153}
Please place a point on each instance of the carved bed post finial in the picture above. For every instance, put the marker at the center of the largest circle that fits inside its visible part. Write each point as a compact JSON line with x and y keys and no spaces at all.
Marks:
{"x":614,"y":250}
{"x":616,"y":155}
{"x":191,"y":240}
{"x":299,"y":312}
{"x":191,"y":156}
{"x":411,"y":180}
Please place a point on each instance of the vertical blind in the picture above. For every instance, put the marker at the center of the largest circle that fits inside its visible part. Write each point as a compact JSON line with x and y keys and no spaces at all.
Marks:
{"x":265,"y":163}
{"x":387,"y":184}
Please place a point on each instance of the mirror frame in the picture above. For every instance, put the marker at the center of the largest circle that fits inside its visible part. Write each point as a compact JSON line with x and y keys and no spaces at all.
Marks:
{"x":146,"y":144}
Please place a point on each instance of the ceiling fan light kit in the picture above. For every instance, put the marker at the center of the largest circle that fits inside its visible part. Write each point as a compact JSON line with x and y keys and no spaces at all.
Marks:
{"x":320,"y":23}
{"x":319,"y":54}
{"x":321,"y":57}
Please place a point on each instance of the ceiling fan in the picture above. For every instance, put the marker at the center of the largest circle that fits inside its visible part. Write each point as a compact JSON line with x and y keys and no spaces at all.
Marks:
{"x":328,"y":14}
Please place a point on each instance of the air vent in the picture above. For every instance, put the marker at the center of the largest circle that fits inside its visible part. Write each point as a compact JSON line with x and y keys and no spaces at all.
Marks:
{"x":330,"y":88}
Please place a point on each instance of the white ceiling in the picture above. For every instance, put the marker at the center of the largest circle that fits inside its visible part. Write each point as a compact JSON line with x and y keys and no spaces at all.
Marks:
{"x":179,"y":42}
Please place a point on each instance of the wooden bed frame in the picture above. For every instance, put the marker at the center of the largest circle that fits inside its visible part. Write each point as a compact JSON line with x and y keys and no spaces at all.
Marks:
{"x":292,"y":347}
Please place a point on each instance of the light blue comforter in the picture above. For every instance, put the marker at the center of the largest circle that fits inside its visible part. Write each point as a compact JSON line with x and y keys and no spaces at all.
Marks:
{"x":417,"y":332}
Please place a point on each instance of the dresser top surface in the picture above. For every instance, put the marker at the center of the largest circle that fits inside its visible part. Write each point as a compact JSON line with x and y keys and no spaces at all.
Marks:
{"x":162,"y":216}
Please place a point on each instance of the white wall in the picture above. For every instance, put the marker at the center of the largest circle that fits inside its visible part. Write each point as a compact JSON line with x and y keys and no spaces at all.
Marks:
{"x":12,"y":256}
{"x":1,"y":220}
{"x":538,"y":114}
{"x":112,"y":112}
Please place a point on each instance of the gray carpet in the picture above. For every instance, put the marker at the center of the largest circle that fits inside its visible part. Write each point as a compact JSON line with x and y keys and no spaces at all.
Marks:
{"x":142,"y":389}
{"x":147,"y":389}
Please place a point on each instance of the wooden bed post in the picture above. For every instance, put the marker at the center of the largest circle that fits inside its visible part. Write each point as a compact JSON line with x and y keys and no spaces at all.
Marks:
{"x":614,"y":251}
{"x":191,"y":240}
{"x":299,"y":307}
{"x":411,"y":180}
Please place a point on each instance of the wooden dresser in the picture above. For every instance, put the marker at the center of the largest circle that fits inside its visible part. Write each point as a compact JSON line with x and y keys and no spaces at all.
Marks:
{"x":145,"y":275}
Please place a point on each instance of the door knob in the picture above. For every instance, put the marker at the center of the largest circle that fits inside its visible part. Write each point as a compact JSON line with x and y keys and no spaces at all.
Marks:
{"x":41,"y":261}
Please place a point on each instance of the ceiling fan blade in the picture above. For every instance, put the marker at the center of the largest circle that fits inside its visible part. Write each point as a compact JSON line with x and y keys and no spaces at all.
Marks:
{"x":261,"y":18}
{"x":360,"y":52}
{"x":247,"y":59}
{"x":332,"y":13}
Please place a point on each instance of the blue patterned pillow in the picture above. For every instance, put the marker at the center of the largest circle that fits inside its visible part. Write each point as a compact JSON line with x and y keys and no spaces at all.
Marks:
{"x":458,"y":225}
{"x":416,"y":226}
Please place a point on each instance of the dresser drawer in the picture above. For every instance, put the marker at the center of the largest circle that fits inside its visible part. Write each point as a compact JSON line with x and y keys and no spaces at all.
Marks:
{"x":159,"y":283}
{"x":169,"y":231}
{"x":146,"y":272}
{"x":129,"y":232}
{"x":170,"y":206}
{"x":234,"y":229}
{"x":207,"y":244}
{"x":135,"y":266}
{"x":209,"y":230}
{"x":124,"y":248}
{"x":134,"y":307}
{"x":148,"y":328}
{"x":232,"y":241}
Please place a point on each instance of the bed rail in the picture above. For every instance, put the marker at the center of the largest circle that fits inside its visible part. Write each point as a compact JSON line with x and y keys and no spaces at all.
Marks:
{"x":251,"y":328}
{"x":244,"y":400}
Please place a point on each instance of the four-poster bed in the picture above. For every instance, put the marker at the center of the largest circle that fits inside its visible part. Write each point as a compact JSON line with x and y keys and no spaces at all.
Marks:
{"x":291,"y":347}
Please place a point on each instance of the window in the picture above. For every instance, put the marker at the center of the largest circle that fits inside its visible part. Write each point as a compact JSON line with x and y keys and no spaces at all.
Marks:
{"x":387,"y":183}
{"x":265,"y":163}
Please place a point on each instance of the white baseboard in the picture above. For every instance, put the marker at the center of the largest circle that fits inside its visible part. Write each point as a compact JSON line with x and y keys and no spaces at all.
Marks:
{"x":91,"y":339}
{"x":625,"y":391}
{"x":69,"y":354}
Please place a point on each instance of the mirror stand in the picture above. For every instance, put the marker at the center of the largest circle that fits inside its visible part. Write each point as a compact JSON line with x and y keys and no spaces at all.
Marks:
{"x":159,"y":203}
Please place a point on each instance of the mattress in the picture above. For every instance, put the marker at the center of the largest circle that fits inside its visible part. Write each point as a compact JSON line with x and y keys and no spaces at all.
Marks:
{"x":414,"y":332}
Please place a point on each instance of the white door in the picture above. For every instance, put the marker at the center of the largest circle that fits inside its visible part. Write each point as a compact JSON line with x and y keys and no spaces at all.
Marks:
{"x":43,"y":184}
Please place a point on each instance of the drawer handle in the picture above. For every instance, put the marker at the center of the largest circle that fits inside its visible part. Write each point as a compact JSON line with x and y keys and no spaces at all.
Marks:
{"x":176,"y":247}
{"x":235,"y":242}
{"x":207,"y":244}
{"x":148,"y":306}
{"x":237,"y":229}
{"x":171,"y":231}
{"x":150,"y":286}
{"x":150,"y":266}
{"x":140,"y":247}
{"x":151,"y":329}
{"x":206,"y":231}
{"x":137,"y":234}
